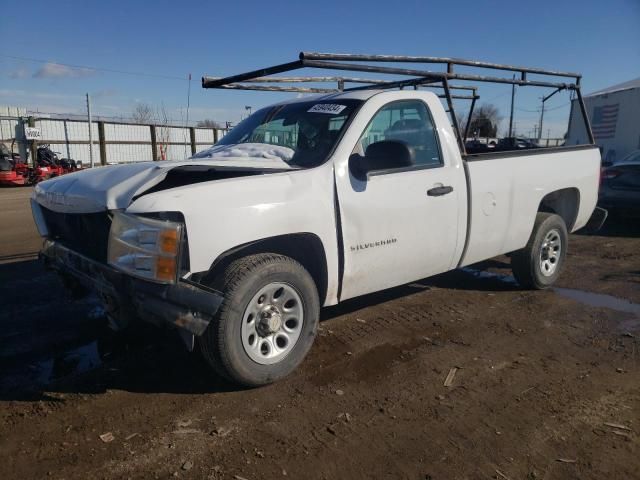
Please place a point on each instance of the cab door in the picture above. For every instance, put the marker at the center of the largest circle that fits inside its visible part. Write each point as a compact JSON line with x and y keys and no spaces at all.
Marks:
{"x":401,"y":223}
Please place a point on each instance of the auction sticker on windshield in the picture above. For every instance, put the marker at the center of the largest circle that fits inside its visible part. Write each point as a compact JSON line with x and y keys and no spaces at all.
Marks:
{"x":327,"y":108}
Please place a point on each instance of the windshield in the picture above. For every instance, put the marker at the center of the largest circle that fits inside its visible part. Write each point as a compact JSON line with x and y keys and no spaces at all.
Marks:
{"x":301,"y":134}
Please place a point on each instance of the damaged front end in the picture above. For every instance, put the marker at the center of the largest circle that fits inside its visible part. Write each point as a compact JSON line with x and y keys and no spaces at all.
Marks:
{"x":134,"y":283}
{"x":137,"y":263}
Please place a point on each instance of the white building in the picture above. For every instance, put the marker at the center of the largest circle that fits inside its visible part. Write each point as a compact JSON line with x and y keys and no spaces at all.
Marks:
{"x":615,"y":119}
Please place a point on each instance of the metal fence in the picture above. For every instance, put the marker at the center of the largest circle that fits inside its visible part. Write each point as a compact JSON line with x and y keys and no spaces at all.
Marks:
{"x":113,"y":142}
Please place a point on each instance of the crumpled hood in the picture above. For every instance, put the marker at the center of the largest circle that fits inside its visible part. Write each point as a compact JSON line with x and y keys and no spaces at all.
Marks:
{"x":253,"y":150}
{"x":113,"y":187}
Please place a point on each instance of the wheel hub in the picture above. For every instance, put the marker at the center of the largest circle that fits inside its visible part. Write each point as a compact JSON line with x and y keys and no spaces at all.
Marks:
{"x":270,"y":321}
{"x":550,"y":253}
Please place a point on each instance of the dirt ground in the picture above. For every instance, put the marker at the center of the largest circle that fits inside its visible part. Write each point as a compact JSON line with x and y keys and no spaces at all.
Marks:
{"x":547,"y":384}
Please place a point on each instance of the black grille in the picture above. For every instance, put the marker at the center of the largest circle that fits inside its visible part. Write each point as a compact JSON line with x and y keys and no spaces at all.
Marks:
{"x":85,"y":233}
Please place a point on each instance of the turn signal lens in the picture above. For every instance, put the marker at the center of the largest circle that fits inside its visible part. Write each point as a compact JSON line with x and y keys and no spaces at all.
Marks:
{"x":168,"y":241}
{"x":166,"y":268}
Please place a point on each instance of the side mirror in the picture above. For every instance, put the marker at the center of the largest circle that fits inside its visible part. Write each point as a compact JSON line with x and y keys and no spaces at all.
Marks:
{"x":382,"y":155}
{"x":606,"y":163}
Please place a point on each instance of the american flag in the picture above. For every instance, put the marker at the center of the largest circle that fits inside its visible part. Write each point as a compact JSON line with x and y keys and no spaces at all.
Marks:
{"x":604,"y":121}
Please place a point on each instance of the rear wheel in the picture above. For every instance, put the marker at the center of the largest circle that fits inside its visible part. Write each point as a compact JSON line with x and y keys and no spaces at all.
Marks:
{"x":539,"y":263}
{"x":266,"y":323}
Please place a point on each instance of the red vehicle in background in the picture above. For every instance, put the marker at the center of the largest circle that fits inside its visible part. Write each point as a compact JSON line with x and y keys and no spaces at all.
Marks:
{"x":16,"y":171}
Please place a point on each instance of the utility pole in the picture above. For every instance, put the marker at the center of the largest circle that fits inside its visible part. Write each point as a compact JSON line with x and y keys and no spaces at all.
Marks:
{"x":541,"y":118}
{"x":513,"y":94}
{"x":90,"y":135}
{"x":188,"y":99}
{"x":188,"y":102}
{"x":34,"y":145}
{"x":544,"y":99}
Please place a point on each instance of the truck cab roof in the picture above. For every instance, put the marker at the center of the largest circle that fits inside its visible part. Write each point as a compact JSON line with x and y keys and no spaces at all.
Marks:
{"x":352,"y":95}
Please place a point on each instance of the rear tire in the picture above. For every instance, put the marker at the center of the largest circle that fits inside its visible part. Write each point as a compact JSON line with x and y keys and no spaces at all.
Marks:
{"x":538,"y":264}
{"x":267,"y":322}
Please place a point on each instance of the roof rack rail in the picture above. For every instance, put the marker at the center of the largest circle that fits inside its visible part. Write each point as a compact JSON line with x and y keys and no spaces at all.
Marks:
{"x":255,"y":80}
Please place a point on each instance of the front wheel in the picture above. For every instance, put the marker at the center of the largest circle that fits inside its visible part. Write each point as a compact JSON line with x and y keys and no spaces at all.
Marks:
{"x":539,"y":263}
{"x":266,"y":323}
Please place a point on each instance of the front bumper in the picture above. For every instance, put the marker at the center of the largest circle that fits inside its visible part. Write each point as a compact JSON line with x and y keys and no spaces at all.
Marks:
{"x":185,"y":304}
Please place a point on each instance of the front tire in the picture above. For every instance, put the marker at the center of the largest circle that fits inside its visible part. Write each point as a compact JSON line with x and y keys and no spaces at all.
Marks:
{"x":538,"y":264}
{"x":267,"y":322}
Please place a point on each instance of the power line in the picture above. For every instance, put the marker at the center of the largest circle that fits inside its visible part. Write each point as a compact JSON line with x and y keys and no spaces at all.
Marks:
{"x":528,"y":111}
{"x":97,"y":69}
{"x":537,"y":110}
{"x":558,"y":107}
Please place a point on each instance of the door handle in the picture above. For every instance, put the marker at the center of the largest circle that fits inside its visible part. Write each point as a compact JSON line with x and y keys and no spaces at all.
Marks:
{"x":438,"y":191}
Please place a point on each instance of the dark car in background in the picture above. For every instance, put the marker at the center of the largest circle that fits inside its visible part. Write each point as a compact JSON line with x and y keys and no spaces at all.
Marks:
{"x":620,"y":185}
{"x":516,"y":143}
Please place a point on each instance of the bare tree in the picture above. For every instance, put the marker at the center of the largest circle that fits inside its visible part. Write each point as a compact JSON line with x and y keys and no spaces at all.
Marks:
{"x":208,"y":123}
{"x":142,"y":113}
{"x":484,"y":121}
{"x":163,"y":131}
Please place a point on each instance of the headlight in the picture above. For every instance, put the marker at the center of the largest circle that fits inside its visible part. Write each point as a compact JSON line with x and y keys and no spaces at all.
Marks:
{"x":145,"y":247}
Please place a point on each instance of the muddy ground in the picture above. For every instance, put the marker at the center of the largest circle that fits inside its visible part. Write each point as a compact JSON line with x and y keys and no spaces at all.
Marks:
{"x":547,"y":384}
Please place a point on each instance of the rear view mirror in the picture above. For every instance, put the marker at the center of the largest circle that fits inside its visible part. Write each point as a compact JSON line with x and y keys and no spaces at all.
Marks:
{"x":383,"y":155}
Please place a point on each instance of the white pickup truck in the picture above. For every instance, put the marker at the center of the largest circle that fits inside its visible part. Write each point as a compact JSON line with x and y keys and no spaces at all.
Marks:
{"x":305,"y":204}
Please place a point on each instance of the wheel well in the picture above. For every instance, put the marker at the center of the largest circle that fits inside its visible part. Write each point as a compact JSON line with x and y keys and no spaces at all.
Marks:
{"x":305,"y":248}
{"x":564,"y":203}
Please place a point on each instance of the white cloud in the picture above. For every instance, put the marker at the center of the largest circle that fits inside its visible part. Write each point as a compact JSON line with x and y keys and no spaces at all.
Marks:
{"x":56,"y":70}
{"x":19,"y":73}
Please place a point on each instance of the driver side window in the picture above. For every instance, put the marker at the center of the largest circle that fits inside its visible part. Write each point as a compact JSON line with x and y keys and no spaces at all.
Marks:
{"x":408,"y":121}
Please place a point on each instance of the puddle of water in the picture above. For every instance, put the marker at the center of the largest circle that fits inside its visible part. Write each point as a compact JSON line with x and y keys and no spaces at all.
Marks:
{"x":35,"y":375}
{"x":482,"y":274}
{"x":588,"y":298}
{"x":596,"y":300}
{"x":599,"y":300}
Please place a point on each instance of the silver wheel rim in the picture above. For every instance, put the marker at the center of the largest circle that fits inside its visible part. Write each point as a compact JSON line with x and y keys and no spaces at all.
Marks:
{"x":272,"y":323}
{"x":550,"y":252}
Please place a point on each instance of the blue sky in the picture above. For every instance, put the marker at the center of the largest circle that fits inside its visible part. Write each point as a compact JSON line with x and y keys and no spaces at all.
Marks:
{"x":168,"y":38}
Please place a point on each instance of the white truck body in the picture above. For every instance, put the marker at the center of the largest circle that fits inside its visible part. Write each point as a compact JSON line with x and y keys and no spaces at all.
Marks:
{"x":241,"y":244}
{"x":431,"y":234}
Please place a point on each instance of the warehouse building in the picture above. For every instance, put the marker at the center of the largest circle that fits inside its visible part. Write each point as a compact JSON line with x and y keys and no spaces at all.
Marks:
{"x":615,"y":120}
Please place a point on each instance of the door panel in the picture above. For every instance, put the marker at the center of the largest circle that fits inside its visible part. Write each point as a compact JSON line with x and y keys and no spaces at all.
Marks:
{"x":395,"y":233}
{"x":401,"y":225}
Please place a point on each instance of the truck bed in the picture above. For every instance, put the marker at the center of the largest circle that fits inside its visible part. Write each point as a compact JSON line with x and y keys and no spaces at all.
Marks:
{"x":506,"y":188}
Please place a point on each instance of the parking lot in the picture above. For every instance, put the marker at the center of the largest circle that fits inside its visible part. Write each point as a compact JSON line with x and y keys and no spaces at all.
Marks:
{"x":539,"y":384}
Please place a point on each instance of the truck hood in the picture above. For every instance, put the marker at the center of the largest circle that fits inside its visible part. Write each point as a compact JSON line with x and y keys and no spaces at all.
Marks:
{"x":114,"y":187}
